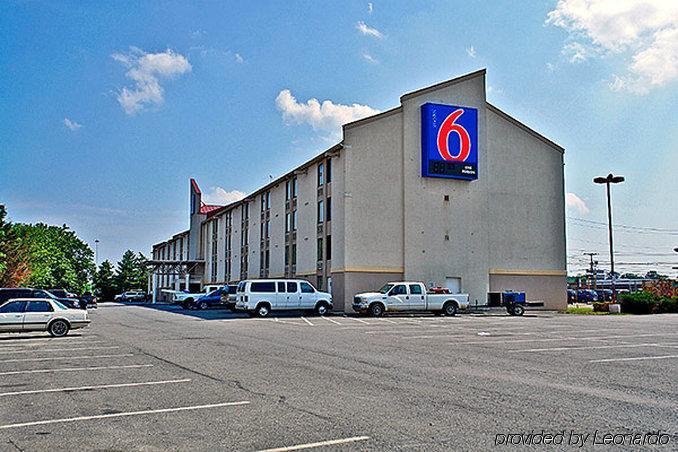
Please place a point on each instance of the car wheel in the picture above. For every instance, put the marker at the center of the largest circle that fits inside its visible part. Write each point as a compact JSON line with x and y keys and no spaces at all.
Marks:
{"x":58,"y":328}
{"x":263,"y":310}
{"x":518,"y":310}
{"x":322,"y":308}
{"x":203,"y":305}
{"x":450,"y":308}
{"x":377,"y":310}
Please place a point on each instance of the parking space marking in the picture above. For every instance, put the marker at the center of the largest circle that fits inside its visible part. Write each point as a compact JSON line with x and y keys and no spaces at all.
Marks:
{"x":74,"y":369}
{"x":90,"y":388}
{"x":124,"y":414}
{"x":331,"y":442}
{"x":12,"y":352}
{"x":566,"y":338}
{"x":49,"y":342}
{"x":637,"y":358}
{"x":57,"y":358}
{"x":387,"y":321}
{"x":588,"y":347}
{"x":306,"y":320}
{"x":331,"y":320}
{"x":276,"y":319}
{"x":357,"y":320}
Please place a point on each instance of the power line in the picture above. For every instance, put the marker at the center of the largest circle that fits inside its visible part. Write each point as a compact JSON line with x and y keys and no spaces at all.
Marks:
{"x":638,"y":229}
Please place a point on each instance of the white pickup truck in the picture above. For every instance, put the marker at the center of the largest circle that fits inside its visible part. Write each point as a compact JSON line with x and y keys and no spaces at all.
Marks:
{"x":408,"y":297}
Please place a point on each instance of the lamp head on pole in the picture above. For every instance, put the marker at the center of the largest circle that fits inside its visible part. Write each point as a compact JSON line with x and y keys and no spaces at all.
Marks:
{"x":610,"y":179}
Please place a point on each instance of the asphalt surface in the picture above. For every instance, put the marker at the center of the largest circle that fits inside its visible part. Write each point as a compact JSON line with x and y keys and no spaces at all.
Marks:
{"x":159,"y":378}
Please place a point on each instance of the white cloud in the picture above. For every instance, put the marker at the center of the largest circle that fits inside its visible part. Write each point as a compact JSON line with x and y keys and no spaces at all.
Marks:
{"x":576,"y":52}
{"x":369,"y":58}
{"x":576,"y":203}
{"x":219,"y":196}
{"x":326,"y":116}
{"x":644,"y":31}
{"x":146,"y":70}
{"x":471,"y":51}
{"x":370,"y":8}
{"x":368,"y":31}
{"x":238,"y":58}
{"x":551,"y":67}
{"x":72,"y":125}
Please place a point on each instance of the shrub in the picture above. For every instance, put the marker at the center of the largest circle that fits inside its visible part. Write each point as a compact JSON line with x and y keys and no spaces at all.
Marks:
{"x":638,"y":302}
{"x":667,"y":305}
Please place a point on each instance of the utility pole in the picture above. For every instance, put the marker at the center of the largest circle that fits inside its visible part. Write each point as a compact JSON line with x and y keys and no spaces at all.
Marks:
{"x":592,"y":270}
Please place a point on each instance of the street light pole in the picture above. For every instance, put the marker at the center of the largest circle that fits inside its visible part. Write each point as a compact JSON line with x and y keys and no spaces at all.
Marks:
{"x":96,"y":252}
{"x":610,"y":179}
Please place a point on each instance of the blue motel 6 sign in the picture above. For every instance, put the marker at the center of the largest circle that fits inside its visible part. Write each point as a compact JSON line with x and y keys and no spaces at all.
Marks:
{"x":449,"y":141}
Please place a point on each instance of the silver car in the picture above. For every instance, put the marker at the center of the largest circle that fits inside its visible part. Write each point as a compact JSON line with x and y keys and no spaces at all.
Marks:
{"x":40,"y":314}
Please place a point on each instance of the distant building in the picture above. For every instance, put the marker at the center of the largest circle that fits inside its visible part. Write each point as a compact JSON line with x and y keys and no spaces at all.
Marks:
{"x":445,"y":188}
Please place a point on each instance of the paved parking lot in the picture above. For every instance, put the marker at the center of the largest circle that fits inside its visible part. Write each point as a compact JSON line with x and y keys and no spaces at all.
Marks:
{"x":161,"y":378}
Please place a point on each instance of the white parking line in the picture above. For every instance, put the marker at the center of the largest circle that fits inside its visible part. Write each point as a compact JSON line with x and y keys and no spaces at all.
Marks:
{"x":575,"y":338}
{"x":57,"y":358}
{"x":282,"y":321}
{"x":124,"y":414}
{"x":589,"y":347}
{"x":331,"y":442}
{"x":387,"y":321}
{"x":89,"y":388}
{"x":638,"y":358}
{"x":47,"y":342}
{"x":357,"y":320}
{"x":56,"y":350}
{"x":74,"y":369}
{"x":331,"y":320}
{"x":306,"y":320}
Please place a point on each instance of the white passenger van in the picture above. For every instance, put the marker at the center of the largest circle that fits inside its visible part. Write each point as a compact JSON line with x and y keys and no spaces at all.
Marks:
{"x":261,"y":296}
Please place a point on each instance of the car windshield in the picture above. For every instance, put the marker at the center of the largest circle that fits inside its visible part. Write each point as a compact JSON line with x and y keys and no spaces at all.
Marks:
{"x":59,"y":305}
{"x":386,"y":288}
{"x":213,"y":293}
{"x":49,"y":294}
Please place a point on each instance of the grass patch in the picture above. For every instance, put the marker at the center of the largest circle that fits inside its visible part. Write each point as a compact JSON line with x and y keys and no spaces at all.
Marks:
{"x":584,"y":311}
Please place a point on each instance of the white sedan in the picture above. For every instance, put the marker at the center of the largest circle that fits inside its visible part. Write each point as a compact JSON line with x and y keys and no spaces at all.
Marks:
{"x":40,"y":314}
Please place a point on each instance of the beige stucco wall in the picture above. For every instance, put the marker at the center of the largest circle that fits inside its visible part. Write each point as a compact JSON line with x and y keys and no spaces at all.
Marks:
{"x":373,"y":195}
{"x":429,"y":257}
{"x":550,"y":289}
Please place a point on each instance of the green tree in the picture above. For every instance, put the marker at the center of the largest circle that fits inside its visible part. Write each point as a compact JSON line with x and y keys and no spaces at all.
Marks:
{"x":14,"y":265}
{"x":104,"y":281}
{"x":56,"y":256}
{"x":131,"y":272}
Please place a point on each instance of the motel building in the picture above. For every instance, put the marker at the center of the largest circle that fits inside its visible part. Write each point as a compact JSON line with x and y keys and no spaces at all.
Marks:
{"x":445,"y":188}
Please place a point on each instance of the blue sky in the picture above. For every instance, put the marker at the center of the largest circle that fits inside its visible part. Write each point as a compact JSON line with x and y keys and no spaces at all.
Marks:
{"x":108,"y":108}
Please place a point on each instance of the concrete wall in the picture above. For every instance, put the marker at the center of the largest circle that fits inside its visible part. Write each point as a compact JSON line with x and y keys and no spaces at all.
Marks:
{"x":373,"y":195}
{"x":551,"y":289}
{"x":526,"y":211}
{"x":429,"y":255}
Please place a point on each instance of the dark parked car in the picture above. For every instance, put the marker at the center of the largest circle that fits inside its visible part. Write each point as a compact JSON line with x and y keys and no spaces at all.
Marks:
{"x":88,"y":299}
{"x":26,"y":292}
{"x":604,"y":294}
{"x":213,"y":298}
{"x":571,"y":296}
{"x":587,"y":296}
{"x":61,"y":293}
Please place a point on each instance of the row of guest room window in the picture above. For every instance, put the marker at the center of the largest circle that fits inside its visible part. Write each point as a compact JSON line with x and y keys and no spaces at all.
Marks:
{"x":323,"y":212}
